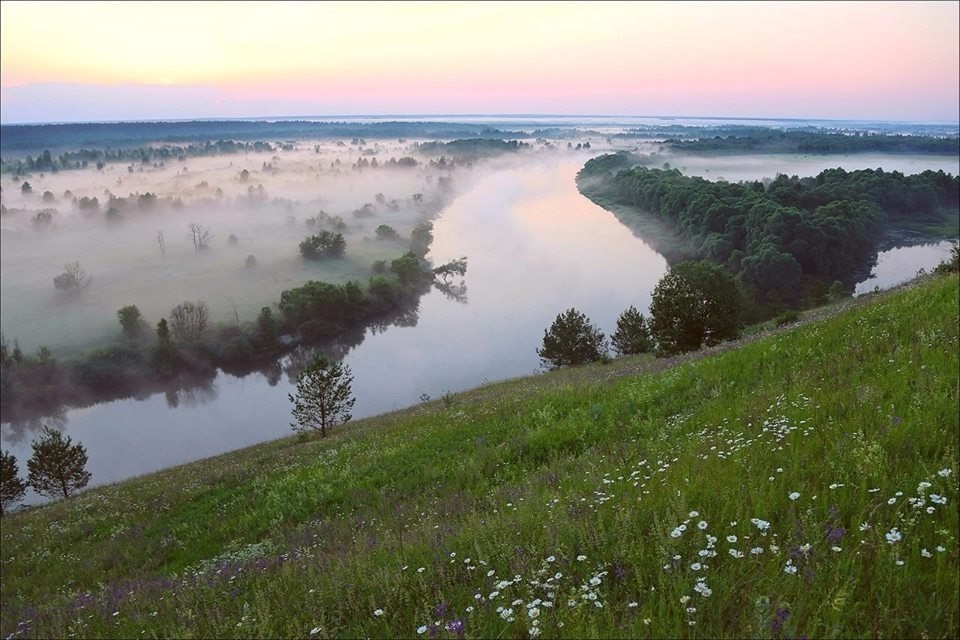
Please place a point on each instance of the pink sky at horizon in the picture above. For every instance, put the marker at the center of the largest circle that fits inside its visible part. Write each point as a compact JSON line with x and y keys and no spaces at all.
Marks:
{"x":132,"y":60}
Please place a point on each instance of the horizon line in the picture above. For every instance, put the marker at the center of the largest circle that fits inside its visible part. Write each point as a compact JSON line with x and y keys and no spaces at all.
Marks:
{"x":385,"y":116}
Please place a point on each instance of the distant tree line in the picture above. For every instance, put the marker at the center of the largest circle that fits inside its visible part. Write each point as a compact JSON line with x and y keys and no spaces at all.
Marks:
{"x":83,"y":158}
{"x":788,"y":241}
{"x":764,"y":140}
{"x":32,"y":139}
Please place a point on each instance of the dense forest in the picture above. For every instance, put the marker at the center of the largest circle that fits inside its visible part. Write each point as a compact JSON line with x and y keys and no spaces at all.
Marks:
{"x":786,"y":241}
{"x":765,"y":140}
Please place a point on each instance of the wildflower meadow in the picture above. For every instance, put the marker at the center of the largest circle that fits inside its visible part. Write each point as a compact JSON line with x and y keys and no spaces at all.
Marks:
{"x":802,"y":485}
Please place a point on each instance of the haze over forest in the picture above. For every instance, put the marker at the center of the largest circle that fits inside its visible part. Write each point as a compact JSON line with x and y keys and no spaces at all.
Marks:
{"x":592,"y":319}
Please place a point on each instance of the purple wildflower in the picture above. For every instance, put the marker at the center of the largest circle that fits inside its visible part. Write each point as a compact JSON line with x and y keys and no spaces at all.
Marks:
{"x":780,"y":616}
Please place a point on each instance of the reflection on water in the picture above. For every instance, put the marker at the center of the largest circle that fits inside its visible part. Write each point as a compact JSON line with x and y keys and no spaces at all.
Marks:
{"x":536,"y":247}
{"x":902,"y":263}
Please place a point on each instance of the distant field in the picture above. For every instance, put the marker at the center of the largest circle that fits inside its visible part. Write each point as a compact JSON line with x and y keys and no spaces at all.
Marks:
{"x":804,"y":484}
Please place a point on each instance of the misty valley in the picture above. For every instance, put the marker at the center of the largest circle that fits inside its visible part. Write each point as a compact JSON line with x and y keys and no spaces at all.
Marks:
{"x":430,"y":257}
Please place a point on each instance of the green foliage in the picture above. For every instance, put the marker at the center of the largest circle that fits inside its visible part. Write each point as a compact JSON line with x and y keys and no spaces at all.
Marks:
{"x":336,"y":305}
{"x":323,"y":399}
{"x":324,"y":244}
{"x":585,"y":472}
{"x":131,"y":321}
{"x":784,"y":240}
{"x":114,"y":369}
{"x":571,"y":340}
{"x":694,"y":304}
{"x":632,"y":335}
{"x":765,"y":140}
{"x":420,"y":239}
{"x":12,"y":487}
{"x":472,"y":148}
{"x":57,"y":466}
{"x":410,"y":270}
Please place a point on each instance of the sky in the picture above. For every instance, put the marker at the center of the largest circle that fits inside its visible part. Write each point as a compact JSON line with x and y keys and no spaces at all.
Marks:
{"x":91,"y":61}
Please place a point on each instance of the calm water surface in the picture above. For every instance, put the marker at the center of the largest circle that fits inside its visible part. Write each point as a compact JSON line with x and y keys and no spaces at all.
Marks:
{"x":536,"y":247}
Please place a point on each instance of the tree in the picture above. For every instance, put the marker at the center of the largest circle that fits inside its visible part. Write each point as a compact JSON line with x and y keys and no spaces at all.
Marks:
{"x":323,"y":397}
{"x":323,"y":244}
{"x":454,"y":267}
{"x":57,"y":466}
{"x":633,"y":334}
{"x":386,"y":232}
{"x":201,"y":236}
{"x":694,"y":304}
{"x":25,"y":188}
{"x":188,"y":321}
{"x":571,"y":340}
{"x":12,"y":487}
{"x":131,"y":320}
{"x":74,"y":277}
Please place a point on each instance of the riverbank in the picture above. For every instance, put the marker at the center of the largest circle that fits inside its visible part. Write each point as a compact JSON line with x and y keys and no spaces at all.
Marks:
{"x":580,"y":500}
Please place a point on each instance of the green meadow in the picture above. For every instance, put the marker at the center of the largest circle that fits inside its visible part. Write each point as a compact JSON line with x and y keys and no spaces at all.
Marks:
{"x":803,"y":484}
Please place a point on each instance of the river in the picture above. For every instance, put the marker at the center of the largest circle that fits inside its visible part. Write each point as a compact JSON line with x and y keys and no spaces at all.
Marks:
{"x":535,"y":246}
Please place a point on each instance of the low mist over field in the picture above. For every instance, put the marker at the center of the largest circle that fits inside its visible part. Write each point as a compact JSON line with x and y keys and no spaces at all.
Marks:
{"x":128,"y":225}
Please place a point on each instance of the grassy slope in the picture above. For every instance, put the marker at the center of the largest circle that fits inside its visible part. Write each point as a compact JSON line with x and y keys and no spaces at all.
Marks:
{"x":569,"y":488}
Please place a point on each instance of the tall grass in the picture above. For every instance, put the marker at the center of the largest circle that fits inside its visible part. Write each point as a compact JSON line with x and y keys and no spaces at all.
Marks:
{"x":802,"y":485}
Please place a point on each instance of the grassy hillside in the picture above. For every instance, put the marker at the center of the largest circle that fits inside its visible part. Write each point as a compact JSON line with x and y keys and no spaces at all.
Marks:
{"x":804,"y":484}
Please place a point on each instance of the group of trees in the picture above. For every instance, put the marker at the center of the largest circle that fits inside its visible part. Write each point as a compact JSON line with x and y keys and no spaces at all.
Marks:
{"x":788,"y":241}
{"x":57,"y":468}
{"x":185,"y":347}
{"x":695,"y":304}
{"x":471,"y":148}
{"x":324,"y":244}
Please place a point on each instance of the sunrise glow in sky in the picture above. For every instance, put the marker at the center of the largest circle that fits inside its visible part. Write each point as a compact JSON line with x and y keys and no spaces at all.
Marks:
{"x":127,"y":60}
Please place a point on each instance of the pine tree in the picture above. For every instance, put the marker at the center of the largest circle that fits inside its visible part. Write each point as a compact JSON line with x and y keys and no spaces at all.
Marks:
{"x":632,"y":335}
{"x":12,"y":487}
{"x":323,"y":397}
{"x":57,"y":466}
{"x":571,"y":340}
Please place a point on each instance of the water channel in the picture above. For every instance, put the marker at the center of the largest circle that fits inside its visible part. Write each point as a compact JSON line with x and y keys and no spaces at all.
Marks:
{"x":536,"y":247}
